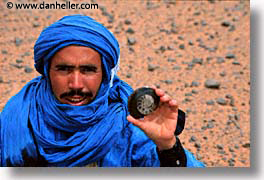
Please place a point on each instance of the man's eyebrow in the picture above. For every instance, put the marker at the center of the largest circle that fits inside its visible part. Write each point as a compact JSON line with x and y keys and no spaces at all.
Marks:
{"x":64,"y":65}
{"x":81,"y":66}
{"x":88,"y":66}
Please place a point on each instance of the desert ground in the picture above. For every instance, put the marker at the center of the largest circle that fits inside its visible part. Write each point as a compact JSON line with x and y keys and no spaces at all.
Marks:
{"x":198,"y":51}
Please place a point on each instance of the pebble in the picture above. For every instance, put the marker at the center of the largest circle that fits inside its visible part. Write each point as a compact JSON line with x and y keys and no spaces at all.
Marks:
{"x":203,"y":23}
{"x":195,"y":84}
{"x":210,"y":125}
{"x":232,"y":28}
{"x":236,"y":63}
{"x":162,"y":48}
{"x":18,"y":66}
{"x":197,"y":61}
{"x":210,"y":102}
{"x":223,"y":73}
{"x":170,"y":47}
{"x":220,"y":60}
{"x":174,"y":30}
{"x":176,"y":68}
{"x":229,"y":96}
{"x":208,"y":59}
{"x":181,"y":37}
{"x":127,"y":22}
{"x":4,"y":51}
{"x":212,"y":83}
{"x":28,"y":69}
{"x":226,"y":23}
{"x":171,"y":60}
{"x":197,"y":13}
{"x":188,"y":94}
{"x":230,"y":56}
{"x":168,"y":81}
{"x":192,"y":139}
{"x":221,"y":101}
{"x":152,"y":67}
{"x":26,"y":54}
{"x":199,"y":156}
{"x":18,"y":41}
{"x":232,"y":102}
{"x":190,"y":43}
{"x":194,"y":91}
{"x":231,"y":149}
{"x":197,"y":145}
{"x":236,"y":146}
{"x":231,"y":162}
{"x":220,"y":146}
{"x":36,"y":18}
{"x":190,"y":66}
{"x":221,"y":152}
{"x":130,"y":31}
{"x":246,"y":145}
{"x":131,"y":41}
{"x":36,"y":24}
{"x":129,"y":75}
{"x":181,"y":46}
{"x":19,"y":61}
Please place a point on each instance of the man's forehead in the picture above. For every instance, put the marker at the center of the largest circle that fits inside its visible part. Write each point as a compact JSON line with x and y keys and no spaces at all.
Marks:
{"x":76,"y":55}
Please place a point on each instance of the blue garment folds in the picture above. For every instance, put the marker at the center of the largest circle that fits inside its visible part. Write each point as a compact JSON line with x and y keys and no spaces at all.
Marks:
{"x":37,"y":130}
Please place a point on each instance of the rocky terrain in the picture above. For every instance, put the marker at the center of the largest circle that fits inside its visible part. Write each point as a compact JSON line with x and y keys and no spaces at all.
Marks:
{"x":198,"y":51}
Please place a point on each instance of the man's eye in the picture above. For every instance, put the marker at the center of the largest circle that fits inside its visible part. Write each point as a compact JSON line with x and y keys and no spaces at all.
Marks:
{"x":88,"y":69}
{"x":64,"y":68}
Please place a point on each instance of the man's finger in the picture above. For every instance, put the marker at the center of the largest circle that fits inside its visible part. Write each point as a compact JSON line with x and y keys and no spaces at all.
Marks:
{"x":165,"y":98}
{"x":134,"y":121}
{"x":174,"y":105}
{"x":159,"y":92}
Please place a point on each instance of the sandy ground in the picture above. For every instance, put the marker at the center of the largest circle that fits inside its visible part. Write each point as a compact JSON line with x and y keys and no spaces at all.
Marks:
{"x":179,"y":46}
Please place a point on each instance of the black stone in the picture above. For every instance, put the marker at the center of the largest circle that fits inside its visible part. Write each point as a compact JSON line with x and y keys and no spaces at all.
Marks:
{"x":4,"y":51}
{"x":171,"y":60}
{"x":197,"y":61}
{"x":152,"y":67}
{"x":131,"y":41}
{"x":127,"y":21}
{"x":181,"y":46}
{"x":230,"y":56}
{"x":18,"y":41}
{"x":210,"y":102}
{"x":195,"y":84}
{"x":221,"y":101}
{"x":226,"y":23}
{"x":130,"y":31}
{"x":212,"y":83}
{"x":28,"y":69}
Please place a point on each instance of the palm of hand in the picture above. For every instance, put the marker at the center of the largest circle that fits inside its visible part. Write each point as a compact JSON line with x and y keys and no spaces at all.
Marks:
{"x":161,"y":124}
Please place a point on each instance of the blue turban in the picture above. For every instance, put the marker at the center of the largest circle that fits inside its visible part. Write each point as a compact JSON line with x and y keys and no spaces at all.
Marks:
{"x":35,"y":124}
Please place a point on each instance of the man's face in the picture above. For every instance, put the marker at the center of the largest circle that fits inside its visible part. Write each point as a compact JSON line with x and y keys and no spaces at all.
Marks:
{"x":76,"y":75}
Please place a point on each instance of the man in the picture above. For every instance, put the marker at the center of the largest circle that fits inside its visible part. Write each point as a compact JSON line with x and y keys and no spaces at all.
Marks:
{"x":75,"y":113}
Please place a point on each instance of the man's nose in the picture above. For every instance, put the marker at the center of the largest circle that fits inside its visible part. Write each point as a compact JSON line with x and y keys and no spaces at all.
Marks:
{"x":75,"y":81}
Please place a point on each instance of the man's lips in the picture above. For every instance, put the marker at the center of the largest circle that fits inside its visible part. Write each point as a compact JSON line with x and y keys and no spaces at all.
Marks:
{"x":76,"y":99}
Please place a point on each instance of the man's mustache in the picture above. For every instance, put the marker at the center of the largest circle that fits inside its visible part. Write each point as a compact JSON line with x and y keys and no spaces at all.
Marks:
{"x":77,"y":93}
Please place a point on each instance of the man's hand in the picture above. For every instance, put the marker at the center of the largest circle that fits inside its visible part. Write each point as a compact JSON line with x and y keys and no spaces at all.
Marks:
{"x":160,"y":125}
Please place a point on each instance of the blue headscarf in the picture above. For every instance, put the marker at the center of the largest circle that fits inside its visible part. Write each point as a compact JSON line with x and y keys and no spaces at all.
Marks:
{"x":35,"y":124}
